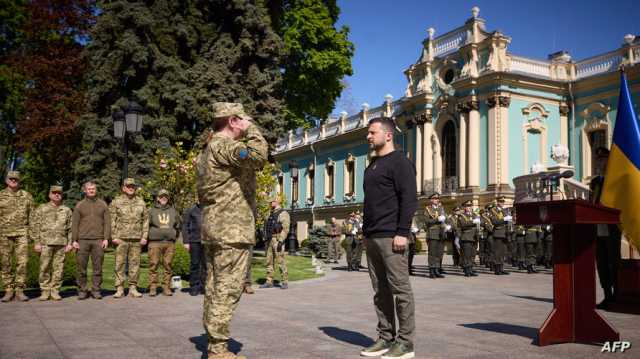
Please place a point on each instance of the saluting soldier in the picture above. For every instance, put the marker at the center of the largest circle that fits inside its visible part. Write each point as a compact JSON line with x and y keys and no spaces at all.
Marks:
{"x":435,"y":224}
{"x":468,"y":229}
{"x":502,"y":222}
{"x":15,"y":209}
{"x":130,"y":229}
{"x":50,"y":228}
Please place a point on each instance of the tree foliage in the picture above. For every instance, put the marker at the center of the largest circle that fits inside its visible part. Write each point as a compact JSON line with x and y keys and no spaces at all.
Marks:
{"x":316,"y":58}
{"x":175,"y":58}
{"x":49,"y":97}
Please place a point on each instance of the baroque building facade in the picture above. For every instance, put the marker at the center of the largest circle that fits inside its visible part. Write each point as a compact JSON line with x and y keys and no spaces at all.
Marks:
{"x":474,"y":116}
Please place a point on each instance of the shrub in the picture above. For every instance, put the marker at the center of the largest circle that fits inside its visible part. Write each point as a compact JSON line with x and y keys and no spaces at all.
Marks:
{"x":181,"y":261}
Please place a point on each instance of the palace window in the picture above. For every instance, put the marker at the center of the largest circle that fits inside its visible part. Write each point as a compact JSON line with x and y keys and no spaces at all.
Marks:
{"x":329,"y":185}
{"x":280,"y":183}
{"x":449,"y":155}
{"x":350,"y":175}
{"x":597,"y":139}
{"x":311,"y":174}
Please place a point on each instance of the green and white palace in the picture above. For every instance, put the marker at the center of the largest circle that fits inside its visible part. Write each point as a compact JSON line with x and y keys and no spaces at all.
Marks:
{"x":474,"y":116}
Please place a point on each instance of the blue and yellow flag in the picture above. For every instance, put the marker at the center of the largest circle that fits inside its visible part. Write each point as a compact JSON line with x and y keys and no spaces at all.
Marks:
{"x":621,"y":188}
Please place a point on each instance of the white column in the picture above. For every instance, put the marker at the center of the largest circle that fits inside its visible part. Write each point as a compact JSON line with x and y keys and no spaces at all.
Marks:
{"x":473,"y":181}
{"x":492,"y":140}
{"x":503,"y":160}
{"x":462,"y":151}
{"x":419,"y":155}
{"x":564,"y":124}
{"x":427,"y":158}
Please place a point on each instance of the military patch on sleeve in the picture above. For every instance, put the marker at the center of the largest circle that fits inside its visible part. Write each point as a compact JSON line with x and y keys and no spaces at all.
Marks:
{"x":243,"y":154}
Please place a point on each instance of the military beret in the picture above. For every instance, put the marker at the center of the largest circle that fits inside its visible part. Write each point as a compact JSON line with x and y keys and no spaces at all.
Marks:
{"x":467,"y":203}
{"x":434,"y":195}
{"x":228,"y":109}
{"x":55,"y":188}
{"x":602,"y":152}
{"x":129,"y":182}
{"x":163,"y":192}
{"x":13,"y":174}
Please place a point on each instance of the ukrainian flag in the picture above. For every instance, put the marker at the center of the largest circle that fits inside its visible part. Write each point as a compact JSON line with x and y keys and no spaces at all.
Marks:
{"x":621,"y":188}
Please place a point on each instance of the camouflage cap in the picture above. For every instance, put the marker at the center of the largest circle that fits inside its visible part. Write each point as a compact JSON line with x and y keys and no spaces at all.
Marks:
{"x":163,"y":192}
{"x":227,"y":109}
{"x":13,"y":174}
{"x":129,"y":182}
{"x":56,"y":188}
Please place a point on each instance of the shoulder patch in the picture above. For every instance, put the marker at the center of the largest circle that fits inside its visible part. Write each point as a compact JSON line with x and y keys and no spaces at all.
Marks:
{"x":243,"y":154}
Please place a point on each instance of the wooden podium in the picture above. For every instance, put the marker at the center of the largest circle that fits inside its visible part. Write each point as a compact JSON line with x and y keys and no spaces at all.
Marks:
{"x":574,"y":318}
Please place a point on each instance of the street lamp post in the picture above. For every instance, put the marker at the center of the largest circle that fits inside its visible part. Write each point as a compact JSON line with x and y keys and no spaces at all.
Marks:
{"x":127,"y":120}
{"x":292,"y":238}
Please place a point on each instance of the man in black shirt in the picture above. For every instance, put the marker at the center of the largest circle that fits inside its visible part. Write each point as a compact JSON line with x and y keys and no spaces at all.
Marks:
{"x":191,"y":240}
{"x":390,"y":202}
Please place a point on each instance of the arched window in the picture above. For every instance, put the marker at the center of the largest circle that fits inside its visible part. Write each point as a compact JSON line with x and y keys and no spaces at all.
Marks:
{"x":597,"y":138}
{"x":449,"y":151}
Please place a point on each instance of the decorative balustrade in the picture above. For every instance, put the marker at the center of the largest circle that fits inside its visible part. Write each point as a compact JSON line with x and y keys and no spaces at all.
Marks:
{"x":449,"y":42}
{"x":597,"y":65}
{"x":313,"y":135}
{"x":446,"y":185}
{"x":332,"y":129}
{"x":351,"y":123}
{"x":530,"y":66}
{"x":530,"y":188}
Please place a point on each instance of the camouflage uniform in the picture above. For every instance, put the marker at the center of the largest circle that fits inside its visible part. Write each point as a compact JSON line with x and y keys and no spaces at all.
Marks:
{"x":129,"y":224}
{"x":275,"y":249}
{"x":226,"y":184}
{"x":15,"y":210}
{"x":50,"y":227}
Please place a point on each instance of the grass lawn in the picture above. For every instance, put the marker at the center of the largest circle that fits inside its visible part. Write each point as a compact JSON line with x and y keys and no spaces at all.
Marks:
{"x":299,"y":268}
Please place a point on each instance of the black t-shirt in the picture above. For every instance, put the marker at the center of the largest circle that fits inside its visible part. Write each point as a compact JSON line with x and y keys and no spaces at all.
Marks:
{"x":390,"y":198}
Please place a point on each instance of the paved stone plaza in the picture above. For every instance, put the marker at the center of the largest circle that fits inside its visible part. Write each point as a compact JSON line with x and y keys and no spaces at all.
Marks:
{"x":332,"y":317}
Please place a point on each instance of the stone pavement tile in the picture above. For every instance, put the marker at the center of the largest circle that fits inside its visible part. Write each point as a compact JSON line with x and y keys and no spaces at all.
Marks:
{"x":30,"y":351}
{"x":113,"y":352}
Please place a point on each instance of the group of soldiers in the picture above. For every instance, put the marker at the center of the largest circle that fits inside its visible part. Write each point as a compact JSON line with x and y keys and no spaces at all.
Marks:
{"x":54,"y":229}
{"x":490,"y":233}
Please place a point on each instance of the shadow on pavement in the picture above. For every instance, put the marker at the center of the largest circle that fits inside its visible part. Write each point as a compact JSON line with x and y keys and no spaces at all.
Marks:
{"x":347,"y":336}
{"x":546,"y":300}
{"x":201,"y":345}
{"x":505,"y":328}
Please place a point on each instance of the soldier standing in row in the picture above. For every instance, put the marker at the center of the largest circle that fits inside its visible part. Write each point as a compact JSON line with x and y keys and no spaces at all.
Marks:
{"x":276,"y":229}
{"x":468,"y":230}
{"x":333,"y":251}
{"x":50,"y":228}
{"x":164,"y":227}
{"x":435,"y":218}
{"x":91,"y":231}
{"x":502,"y":222}
{"x":192,"y":223}
{"x":531,"y":239}
{"x":351,"y":228}
{"x":130,"y":229}
{"x":547,"y":243}
{"x":455,"y":241}
{"x":486,"y":245}
{"x":16,"y":206}
{"x":226,"y":186}
{"x":520,"y":252}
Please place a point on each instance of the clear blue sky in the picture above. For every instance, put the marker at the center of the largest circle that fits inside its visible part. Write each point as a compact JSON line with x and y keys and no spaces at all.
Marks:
{"x":388,"y":34}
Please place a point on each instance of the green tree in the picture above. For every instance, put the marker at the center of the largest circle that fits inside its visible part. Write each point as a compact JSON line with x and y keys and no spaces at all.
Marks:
{"x":316,"y":58}
{"x":175,"y":58}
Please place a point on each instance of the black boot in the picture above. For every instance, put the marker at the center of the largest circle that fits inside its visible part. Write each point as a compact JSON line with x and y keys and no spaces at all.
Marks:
{"x":432,"y":273}
{"x":467,"y":272}
{"x":438,"y":272}
{"x":441,"y":271}
{"x":530,"y":269}
{"x":521,"y":266}
{"x":496,"y":270}
{"x":502,"y":271}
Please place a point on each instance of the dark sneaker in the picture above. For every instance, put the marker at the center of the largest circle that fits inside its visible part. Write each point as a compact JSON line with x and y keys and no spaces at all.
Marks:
{"x":378,"y":348}
{"x":284,"y":286}
{"x":400,"y":351}
{"x":267,"y":285}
